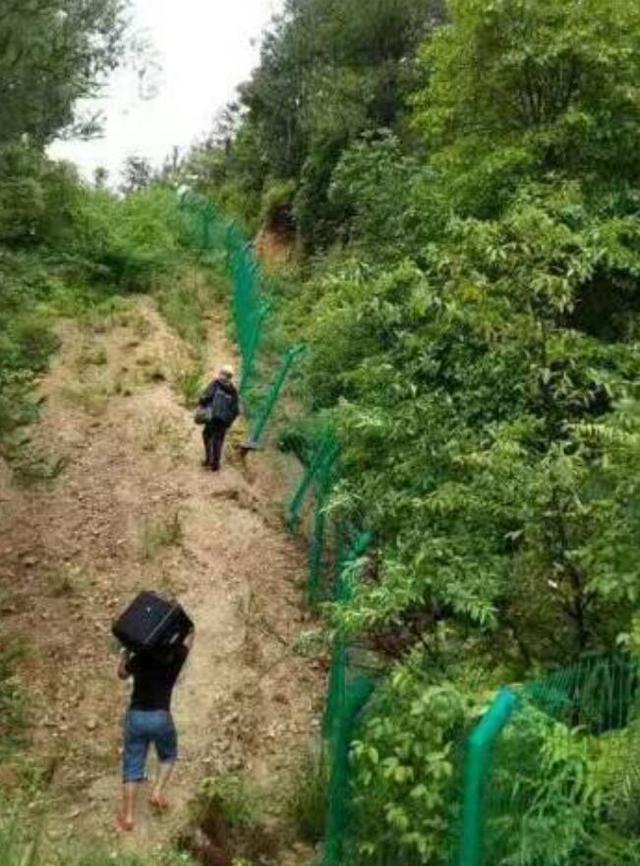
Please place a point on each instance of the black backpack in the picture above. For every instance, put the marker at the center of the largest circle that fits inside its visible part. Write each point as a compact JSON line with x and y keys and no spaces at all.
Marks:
{"x":222,"y":406}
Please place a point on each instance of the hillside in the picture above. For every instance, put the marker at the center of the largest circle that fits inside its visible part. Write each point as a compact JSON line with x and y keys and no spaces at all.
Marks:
{"x":133,"y":510}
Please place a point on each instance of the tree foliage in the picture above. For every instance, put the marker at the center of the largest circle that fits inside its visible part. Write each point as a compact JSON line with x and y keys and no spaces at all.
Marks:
{"x":52,"y":53}
{"x":329,"y":72}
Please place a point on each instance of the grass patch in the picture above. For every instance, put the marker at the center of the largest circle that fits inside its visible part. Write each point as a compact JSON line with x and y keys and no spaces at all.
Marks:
{"x":229,"y":824}
{"x":166,"y":435}
{"x":102,"y":316}
{"x":91,"y":397}
{"x":307,"y":801}
{"x":29,"y":466}
{"x":158,"y":534}
{"x":239,"y":803}
{"x":12,"y":701}
{"x":188,"y":382}
{"x":188,"y":300}
{"x":91,"y":355}
{"x":21,"y":848}
{"x":65,"y":581}
{"x":14,"y":851}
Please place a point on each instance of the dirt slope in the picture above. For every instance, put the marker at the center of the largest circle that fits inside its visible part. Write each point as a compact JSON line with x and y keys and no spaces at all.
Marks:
{"x":135,"y":510}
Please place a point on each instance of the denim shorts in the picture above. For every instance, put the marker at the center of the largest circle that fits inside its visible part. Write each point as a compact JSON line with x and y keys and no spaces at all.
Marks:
{"x":141,"y":729}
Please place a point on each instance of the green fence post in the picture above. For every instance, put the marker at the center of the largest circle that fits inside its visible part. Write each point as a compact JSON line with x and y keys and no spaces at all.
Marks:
{"x":271,"y":399}
{"x":324,"y":457}
{"x":478,"y":764}
{"x":316,"y":550}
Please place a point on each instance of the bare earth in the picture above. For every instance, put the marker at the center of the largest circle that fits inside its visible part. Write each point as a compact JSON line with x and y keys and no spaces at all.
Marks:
{"x":72,"y":555}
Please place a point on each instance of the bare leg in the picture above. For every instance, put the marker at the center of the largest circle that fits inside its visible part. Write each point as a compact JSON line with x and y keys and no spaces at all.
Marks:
{"x":128,"y":805}
{"x":158,"y":797}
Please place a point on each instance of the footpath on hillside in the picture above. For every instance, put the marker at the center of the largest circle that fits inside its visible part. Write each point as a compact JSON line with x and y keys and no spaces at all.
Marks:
{"x":134,"y":510}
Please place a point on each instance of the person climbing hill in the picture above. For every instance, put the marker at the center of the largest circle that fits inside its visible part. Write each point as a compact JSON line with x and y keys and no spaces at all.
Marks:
{"x":219,"y":408}
{"x":149,"y":721}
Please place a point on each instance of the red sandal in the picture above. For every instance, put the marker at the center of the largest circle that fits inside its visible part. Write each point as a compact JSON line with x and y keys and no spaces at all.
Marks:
{"x":161,"y":804}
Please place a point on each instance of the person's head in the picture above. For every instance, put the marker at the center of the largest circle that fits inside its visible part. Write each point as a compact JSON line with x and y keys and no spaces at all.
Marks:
{"x":226,"y":374}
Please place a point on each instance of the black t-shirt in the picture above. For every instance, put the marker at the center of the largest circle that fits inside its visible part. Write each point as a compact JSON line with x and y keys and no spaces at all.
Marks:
{"x":153,"y":680}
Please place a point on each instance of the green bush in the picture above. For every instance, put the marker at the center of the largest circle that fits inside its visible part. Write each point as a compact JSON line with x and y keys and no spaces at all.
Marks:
{"x":405,"y":780}
{"x":277,"y":202}
{"x":231,"y":797}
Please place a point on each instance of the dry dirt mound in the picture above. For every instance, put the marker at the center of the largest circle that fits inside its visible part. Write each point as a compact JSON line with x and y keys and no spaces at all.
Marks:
{"x":134,"y":510}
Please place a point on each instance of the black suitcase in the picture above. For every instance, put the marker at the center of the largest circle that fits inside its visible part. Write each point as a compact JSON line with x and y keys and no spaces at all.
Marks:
{"x":152,"y":624}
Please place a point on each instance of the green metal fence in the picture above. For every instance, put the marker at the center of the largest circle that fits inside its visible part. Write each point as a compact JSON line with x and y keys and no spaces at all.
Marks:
{"x":557,"y":780}
{"x":221,"y":241}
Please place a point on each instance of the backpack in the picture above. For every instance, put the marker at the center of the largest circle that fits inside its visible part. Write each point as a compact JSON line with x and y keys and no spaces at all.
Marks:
{"x":222,"y":406}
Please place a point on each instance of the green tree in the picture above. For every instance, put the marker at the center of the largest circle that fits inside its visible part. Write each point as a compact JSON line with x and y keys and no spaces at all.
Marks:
{"x":52,"y":53}
{"x":481,"y":364}
{"x":137,"y":174}
{"x":328,"y":73}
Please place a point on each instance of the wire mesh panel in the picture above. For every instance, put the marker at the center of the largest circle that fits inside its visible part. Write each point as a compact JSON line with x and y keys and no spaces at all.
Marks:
{"x":209,"y":232}
{"x":318,"y":473}
{"x":349,"y":690}
{"x":560,"y":785}
{"x":222,"y":241}
{"x":272,"y":397}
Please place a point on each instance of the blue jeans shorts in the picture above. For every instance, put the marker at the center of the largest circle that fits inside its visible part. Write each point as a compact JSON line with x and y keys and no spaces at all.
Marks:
{"x":141,"y":729}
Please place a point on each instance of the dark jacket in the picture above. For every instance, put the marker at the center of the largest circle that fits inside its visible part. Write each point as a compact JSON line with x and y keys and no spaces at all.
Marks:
{"x":230,"y":388}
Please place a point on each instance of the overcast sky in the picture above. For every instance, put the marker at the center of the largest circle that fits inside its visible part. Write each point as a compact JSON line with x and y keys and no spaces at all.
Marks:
{"x":203,"y":50}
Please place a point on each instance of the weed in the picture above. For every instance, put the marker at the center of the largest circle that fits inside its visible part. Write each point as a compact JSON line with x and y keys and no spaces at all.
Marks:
{"x":186,"y":302}
{"x":12,"y":700}
{"x":155,"y":374}
{"x":310,"y":644}
{"x":91,"y":397}
{"x":60,"y":584}
{"x":166,"y":532}
{"x":308,"y":797}
{"x":13,"y":851}
{"x":188,"y":382}
{"x":168,"y":435}
{"x":91,"y":355}
{"x":39,"y":470}
{"x":230,"y":796}
{"x":140,"y":324}
{"x":119,"y":388}
{"x":229,"y":824}
{"x":31,"y":468}
{"x":64,"y":582}
{"x":106,"y":314}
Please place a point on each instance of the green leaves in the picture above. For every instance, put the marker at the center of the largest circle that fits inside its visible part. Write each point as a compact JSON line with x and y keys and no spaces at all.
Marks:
{"x":51,"y":55}
{"x":403,"y":772}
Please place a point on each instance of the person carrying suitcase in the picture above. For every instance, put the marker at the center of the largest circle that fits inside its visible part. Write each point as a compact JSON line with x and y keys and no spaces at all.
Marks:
{"x":219,"y":408}
{"x":149,"y":721}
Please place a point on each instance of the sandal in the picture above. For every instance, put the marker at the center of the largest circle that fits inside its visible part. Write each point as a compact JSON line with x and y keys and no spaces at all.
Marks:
{"x":160,"y":803}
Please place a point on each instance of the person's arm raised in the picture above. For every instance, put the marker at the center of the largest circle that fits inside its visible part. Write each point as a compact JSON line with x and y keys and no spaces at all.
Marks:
{"x":123,"y":670}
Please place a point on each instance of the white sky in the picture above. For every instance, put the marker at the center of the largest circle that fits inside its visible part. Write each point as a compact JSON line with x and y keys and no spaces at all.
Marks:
{"x":204,"y":51}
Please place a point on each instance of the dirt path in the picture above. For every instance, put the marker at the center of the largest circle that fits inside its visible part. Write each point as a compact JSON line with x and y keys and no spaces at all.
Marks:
{"x":134,"y":510}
